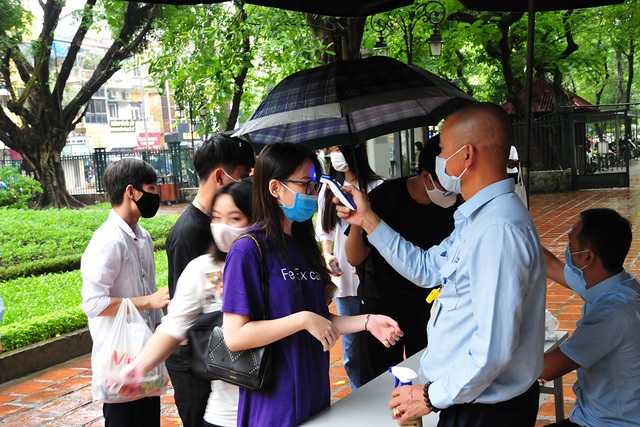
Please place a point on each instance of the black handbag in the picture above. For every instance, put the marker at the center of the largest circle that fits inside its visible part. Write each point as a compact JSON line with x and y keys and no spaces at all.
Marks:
{"x":199,"y":336}
{"x":246,"y":368}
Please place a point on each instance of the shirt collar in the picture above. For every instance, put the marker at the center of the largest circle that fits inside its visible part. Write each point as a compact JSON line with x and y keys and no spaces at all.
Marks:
{"x":592,"y":293}
{"x":483,"y":196}
{"x":134,"y":234}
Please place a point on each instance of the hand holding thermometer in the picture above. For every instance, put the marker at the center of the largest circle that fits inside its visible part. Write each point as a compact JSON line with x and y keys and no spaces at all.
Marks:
{"x":336,"y":189}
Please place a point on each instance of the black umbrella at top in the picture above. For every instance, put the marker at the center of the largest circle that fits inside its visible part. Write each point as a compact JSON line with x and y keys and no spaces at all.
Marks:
{"x":349,"y":8}
{"x":349,"y":102}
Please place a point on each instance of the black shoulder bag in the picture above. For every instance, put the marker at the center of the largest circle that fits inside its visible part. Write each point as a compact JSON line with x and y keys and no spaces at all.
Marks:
{"x":246,"y":368}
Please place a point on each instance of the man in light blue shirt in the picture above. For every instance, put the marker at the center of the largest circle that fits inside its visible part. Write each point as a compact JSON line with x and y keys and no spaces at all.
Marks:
{"x":486,"y":332}
{"x":605,"y":347}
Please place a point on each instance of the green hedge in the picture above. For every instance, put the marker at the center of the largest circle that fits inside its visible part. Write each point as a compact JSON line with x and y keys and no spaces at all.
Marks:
{"x":35,"y":235}
{"x":41,"y":307}
{"x":42,"y":328}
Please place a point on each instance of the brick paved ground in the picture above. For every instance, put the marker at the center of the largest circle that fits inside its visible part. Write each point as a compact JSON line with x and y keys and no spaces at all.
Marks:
{"x":61,"y":396}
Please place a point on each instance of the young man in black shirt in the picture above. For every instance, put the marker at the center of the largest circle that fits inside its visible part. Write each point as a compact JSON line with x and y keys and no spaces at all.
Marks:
{"x":219,"y":161}
{"x":406,"y":204}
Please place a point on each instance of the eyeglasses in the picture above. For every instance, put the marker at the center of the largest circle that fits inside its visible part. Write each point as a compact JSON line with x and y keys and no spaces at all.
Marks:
{"x":311,"y":186}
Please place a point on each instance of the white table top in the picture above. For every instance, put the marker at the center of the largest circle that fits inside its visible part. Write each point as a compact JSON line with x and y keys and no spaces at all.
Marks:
{"x":369,"y":405}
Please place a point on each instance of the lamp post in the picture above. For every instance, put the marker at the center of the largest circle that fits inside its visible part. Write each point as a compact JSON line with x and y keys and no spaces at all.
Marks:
{"x":435,"y":13}
{"x":4,"y":95}
{"x":407,"y":20}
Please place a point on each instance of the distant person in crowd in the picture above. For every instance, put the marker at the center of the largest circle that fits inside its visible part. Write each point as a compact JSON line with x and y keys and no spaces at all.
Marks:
{"x":420,"y":211}
{"x":219,"y":161}
{"x":419,"y":146}
{"x":330,"y":230}
{"x":1,"y":316}
{"x":605,"y":347}
{"x":300,"y":329}
{"x":320,"y":153}
{"x":513,"y":163}
{"x":200,"y":290}
{"x":118,"y":263}
{"x":486,"y":330}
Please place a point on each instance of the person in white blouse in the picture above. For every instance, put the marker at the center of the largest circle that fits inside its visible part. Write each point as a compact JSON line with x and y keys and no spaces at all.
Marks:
{"x":118,"y":263}
{"x":199,"y":291}
{"x":330,"y":230}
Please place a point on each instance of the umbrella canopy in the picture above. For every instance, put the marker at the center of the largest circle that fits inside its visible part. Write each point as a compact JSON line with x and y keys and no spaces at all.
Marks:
{"x":350,"y":102}
{"x":321,"y":7}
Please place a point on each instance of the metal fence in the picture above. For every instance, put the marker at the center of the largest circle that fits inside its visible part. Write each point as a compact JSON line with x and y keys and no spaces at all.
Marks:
{"x":562,"y":141}
{"x":83,"y":173}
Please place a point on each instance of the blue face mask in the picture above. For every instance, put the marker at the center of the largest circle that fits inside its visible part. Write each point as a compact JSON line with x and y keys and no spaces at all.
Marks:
{"x":449,"y":183}
{"x":572,"y":274}
{"x":304,"y":206}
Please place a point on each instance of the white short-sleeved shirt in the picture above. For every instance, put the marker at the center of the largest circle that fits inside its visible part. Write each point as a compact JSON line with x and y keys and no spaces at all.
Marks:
{"x":347,"y":283}
{"x":513,"y":155}
{"x":195,"y":294}
{"x":118,"y":262}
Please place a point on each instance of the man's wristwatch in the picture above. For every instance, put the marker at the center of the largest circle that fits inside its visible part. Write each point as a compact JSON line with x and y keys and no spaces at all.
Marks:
{"x":427,"y":401}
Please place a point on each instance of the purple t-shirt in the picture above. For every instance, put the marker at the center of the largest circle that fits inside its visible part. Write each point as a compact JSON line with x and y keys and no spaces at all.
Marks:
{"x":299,"y":385}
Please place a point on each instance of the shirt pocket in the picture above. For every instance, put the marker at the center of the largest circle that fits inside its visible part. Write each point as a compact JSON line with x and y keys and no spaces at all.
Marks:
{"x":450,"y":294}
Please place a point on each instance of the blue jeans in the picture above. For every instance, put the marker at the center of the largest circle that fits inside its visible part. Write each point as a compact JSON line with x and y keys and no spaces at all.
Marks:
{"x":350,"y":306}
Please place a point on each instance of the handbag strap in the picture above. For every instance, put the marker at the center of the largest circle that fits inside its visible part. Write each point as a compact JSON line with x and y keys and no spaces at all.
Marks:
{"x":264,"y":283}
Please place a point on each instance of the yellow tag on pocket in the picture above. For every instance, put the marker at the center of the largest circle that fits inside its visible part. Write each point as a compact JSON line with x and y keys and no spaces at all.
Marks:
{"x":433,"y":295}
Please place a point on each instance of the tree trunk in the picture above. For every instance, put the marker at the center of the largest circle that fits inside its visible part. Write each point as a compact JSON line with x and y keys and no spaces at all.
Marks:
{"x":46,"y":165}
{"x":44,"y":121}
{"x":342,"y":35}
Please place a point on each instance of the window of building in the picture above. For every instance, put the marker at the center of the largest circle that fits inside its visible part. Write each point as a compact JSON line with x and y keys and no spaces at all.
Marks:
{"x":113,"y":110}
{"x":97,"y":111}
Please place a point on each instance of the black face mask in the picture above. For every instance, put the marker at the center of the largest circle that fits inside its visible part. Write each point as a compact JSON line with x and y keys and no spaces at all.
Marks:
{"x":148,"y":204}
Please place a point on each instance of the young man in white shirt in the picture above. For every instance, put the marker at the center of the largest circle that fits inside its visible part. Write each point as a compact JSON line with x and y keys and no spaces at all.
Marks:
{"x":118,"y":263}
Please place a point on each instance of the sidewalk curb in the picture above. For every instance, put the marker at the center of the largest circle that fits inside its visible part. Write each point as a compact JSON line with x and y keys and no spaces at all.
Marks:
{"x":45,"y":354}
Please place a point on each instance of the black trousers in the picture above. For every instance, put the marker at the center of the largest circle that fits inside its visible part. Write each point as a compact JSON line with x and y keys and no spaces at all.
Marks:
{"x":375,"y":359}
{"x":564,"y":423}
{"x":190,"y":392}
{"x":521,"y":411}
{"x":139,"y":413}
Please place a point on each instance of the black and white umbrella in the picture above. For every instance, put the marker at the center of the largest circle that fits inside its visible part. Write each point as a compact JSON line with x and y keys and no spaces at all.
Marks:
{"x":348,"y":102}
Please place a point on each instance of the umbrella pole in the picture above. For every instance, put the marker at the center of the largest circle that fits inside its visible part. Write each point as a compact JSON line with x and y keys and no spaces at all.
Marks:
{"x":525,"y":163}
{"x":352,"y":138}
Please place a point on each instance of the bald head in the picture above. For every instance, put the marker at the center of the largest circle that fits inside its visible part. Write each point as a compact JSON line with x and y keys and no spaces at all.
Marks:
{"x":487,"y":127}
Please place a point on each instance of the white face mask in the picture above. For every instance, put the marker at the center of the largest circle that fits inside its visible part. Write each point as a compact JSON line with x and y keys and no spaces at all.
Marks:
{"x":338,"y":161}
{"x":442,"y":198}
{"x":448,"y":182}
{"x":224,"y":235}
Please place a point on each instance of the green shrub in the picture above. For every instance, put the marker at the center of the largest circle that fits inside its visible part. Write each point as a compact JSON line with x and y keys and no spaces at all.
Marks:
{"x":41,"y":328}
{"x":17,"y":191}
{"x":41,"y":307}
{"x":31,"y":235}
{"x":34,"y":268}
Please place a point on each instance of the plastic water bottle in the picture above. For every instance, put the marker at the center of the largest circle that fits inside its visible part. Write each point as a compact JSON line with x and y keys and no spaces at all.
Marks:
{"x":405,"y":376}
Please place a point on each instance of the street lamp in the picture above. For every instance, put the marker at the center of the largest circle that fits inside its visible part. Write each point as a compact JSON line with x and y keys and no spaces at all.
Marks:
{"x":179,"y":112}
{"x":435,"y":43}
{"x":432,"y":11}
{"x":4,"y":95}
{"x":435,"y":14}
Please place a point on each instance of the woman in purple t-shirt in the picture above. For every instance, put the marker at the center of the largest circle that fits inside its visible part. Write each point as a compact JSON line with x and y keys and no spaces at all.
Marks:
{"x":301,"y":329}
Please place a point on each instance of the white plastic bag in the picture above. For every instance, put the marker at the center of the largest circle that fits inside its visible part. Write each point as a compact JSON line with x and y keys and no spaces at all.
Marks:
{"x":123,"y":344}
{"x":521,"y":191}
{"x":550,"y":326}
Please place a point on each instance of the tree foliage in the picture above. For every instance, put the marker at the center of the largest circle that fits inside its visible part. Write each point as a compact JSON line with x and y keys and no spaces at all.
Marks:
{"x":221,"y":58}
{"x":589,"y":51}
{"x":44,"y":106}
